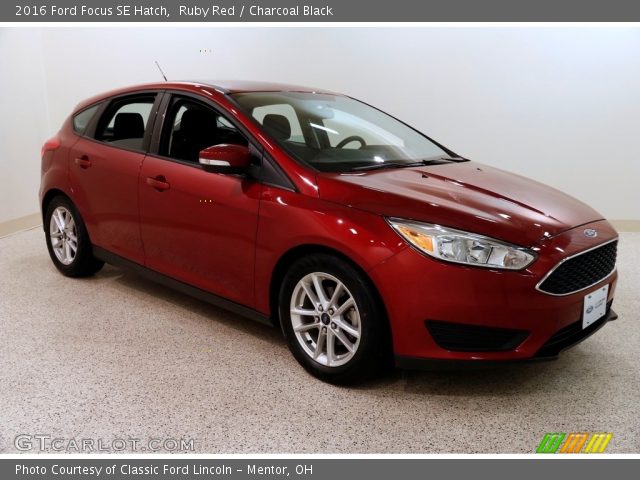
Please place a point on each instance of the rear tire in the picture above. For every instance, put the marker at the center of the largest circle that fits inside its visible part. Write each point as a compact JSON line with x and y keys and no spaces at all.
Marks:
{"x":68,"y":241}
{"x":333,"y":320}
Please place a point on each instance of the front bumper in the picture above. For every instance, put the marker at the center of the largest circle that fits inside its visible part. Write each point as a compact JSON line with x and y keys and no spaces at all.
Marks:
{"x":562,"y":340}
{"x":417,"y":289}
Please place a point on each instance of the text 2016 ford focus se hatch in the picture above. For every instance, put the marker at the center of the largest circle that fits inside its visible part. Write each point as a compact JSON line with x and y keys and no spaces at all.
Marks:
{"x":362,"y":238}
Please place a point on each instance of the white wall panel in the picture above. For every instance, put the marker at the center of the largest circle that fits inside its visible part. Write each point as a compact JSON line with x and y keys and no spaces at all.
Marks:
{"x":24,"y":121}
{"x":560,"y":105}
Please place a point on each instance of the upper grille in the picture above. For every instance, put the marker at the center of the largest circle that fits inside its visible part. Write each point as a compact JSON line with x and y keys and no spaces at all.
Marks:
{"x":581,"y":271}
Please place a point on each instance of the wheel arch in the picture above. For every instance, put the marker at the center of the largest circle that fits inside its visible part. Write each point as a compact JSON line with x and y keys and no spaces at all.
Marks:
{"x":299,"y":251}
{"x":46,"y":200}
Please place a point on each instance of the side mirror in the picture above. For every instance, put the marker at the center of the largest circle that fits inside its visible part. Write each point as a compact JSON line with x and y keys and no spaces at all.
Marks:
{"x":225,"y":158}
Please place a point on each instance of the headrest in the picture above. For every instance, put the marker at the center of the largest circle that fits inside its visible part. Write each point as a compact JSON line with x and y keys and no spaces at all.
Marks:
{"x":277,"y":125}
{"x":128,"y":125}
{"x":195,"y":120}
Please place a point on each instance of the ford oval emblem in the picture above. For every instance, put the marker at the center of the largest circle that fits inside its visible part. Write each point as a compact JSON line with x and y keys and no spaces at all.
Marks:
{"x":591,"y":233}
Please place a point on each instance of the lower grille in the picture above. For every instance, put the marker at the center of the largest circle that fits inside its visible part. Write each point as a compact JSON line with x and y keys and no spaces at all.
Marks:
{"x":581,"y":271}
{"x":473,"y":338}
{"x":570,"y":335}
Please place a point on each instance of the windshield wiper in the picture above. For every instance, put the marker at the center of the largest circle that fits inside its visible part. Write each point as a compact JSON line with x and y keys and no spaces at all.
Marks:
{"x":443,"y":158}
{"x":435,"y":160}
{"x":379,"y":166}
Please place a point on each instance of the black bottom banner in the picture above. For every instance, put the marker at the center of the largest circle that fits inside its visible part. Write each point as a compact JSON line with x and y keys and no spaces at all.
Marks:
{"x":317,"y":468}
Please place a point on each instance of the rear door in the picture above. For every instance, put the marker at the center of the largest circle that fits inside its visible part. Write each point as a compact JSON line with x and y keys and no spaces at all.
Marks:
{"x":104,"y":170}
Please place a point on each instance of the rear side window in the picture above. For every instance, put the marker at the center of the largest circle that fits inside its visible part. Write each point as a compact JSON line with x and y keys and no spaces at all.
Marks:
{"x":81,"y":120}
{"x":125,"y":121}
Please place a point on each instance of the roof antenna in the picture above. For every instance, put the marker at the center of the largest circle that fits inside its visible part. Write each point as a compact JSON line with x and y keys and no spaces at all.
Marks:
{"x":161,"y":72}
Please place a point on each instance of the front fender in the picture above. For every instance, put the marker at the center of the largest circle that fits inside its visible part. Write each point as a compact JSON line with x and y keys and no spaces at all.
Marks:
{"x":289,"y":220}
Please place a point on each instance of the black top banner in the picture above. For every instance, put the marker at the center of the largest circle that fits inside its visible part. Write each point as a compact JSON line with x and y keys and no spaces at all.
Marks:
{"x":320,"y":11}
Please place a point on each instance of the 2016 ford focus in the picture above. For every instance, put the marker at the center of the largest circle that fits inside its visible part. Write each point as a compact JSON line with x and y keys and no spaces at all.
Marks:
{"x":360,"y":237}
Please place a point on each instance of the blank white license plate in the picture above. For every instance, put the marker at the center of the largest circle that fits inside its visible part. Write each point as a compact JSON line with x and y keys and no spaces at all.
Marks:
{"x":595,"y":306}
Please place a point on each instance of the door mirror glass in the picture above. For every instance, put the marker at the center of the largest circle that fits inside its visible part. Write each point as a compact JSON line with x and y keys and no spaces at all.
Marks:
{"x":225,"y":158}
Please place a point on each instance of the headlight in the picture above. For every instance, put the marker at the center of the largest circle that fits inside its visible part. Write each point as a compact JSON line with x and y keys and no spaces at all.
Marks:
{"x":462,"y":247}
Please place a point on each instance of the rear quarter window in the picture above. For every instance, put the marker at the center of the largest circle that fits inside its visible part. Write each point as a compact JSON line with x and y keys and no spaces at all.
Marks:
{"x":81,"y":120}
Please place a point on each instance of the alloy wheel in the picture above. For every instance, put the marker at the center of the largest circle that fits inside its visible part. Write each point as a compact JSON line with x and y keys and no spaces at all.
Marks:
{"x":325,"y":319}
{"x":63,"y":235}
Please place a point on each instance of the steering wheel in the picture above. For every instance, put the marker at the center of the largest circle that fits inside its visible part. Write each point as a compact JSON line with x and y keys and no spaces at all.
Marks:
{"x":352,"y":138}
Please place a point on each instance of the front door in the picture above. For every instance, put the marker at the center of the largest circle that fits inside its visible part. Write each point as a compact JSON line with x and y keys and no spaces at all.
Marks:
{"x":198,"y":227}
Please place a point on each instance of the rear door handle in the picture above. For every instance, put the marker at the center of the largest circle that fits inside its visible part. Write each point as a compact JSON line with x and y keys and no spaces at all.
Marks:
{"x":83,"y":161}
{"x":158,"y":182}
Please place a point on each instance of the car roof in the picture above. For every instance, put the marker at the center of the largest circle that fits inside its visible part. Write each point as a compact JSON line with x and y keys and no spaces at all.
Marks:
{"x":222,"y":86}
{"x":244,"y":86}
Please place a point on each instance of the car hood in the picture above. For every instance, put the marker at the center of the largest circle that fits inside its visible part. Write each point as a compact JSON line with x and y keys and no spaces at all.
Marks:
{"x":469,"y":196}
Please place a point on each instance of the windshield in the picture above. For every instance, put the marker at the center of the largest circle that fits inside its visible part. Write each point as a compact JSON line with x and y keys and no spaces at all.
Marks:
{"x":334,"y":133}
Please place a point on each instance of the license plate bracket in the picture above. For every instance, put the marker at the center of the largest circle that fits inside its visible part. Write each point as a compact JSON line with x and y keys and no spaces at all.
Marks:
{"x":594,"y":306}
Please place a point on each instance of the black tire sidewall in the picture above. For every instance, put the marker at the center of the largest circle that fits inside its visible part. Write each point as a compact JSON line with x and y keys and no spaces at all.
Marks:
{"x":371,"y":351}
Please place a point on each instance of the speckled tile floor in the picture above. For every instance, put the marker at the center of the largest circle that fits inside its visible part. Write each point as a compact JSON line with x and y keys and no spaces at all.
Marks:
{"x":116,"y":356}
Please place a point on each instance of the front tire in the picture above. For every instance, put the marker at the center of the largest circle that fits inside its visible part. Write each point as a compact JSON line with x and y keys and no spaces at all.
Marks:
{"x":68,"y":241}
{"x":333,"y":321}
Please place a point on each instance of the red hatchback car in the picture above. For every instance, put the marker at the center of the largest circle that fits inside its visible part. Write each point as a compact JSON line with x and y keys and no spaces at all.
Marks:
{"x":363,"y":239}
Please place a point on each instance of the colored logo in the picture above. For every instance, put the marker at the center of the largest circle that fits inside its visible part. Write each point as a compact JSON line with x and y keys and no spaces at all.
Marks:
{"x":591,"y":233}
{"x":574,"y":443}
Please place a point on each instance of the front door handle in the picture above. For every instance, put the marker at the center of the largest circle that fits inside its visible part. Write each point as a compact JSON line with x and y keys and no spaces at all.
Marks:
{"x":158,"y":182}
{"x":83,"y":161}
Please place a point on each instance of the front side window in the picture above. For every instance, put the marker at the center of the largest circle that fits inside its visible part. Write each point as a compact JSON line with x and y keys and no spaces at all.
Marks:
{"x":191,"y":126}
{"x":335,"y":133}
{"x":124,"y":123}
